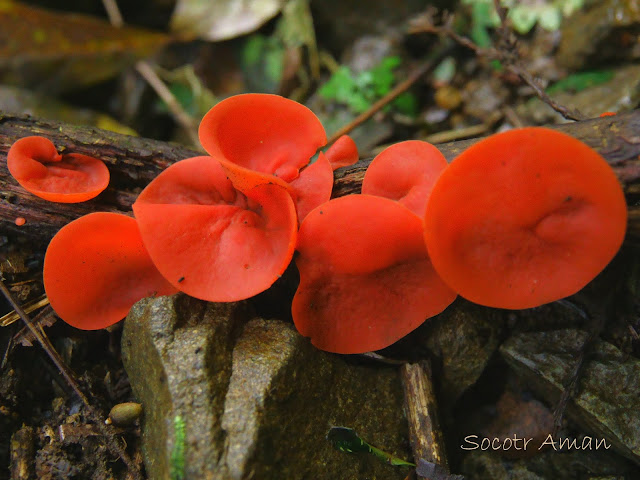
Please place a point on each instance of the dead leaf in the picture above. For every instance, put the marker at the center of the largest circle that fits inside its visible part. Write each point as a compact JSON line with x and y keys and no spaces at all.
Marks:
{"x":56,"y":51}
{"x":222,"y":19}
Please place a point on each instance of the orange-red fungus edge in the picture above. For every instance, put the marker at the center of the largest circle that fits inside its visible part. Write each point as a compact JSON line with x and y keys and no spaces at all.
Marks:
{"x":365,"y":277}
{"x":209,"y":239}
{"x":262,"y":132}
{"x":68,"y":178}
{"x":523,"y":218}
{"x":342,"y":153}
{"x":96,"y":268}
{"x":405,"y":172}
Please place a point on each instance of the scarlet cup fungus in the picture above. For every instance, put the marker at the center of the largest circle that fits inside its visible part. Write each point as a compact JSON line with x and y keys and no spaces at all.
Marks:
{"x":524,"y":218}
{"x":342,"y":153}
{"x":313,"y":186}
{"x":405,"y":172}
{"x":265,"y":133}
{"x":96,"y":268}
{"x":68,"y":178}
{"x":365,"y":277}
{"x":275,"y":136}
{"x":211,"y":240}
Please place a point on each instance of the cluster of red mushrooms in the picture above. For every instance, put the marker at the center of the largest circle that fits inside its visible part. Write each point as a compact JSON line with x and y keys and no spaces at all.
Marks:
{"x":522,"y":218}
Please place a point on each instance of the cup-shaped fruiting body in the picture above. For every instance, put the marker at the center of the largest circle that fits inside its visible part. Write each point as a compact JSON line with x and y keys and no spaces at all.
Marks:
{"x":275,"y":136}
{"x":261,"y":132}
{"x":96,"y":268}
{"x":523,"y":218}
{"x":405,"y":172}
{"x":342,"y":153}
{"x":365,"y":278}
{"x":212,"y":239}
{"x":69,"y":178}
{"x":313,"y":186}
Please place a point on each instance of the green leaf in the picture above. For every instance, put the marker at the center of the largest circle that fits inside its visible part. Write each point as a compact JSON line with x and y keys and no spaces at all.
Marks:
{"x":177,"y":454}
{"x":406,"y":103}
{"x":263,"y":62}
{"x":346,"y":440}
{"x":523,"y":18}
{"x":54,"y":51}
{"x":550,"y":18}
{"x":581,"y":81}
{"x":445,"y":70}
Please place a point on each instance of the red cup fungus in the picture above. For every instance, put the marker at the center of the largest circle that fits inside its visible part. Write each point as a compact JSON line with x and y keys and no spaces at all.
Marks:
{"x":96,"y":268}
{"x":214,"y":241}
{"x":523,"y":218}
{"x":275,"y":136}
{"x":68,"y":178}
{"x":313,"y":186}
{"x":365,"y":277}
{"x":342,"y":153}
{"x":405,"y":172}
{"x":261,"y":132}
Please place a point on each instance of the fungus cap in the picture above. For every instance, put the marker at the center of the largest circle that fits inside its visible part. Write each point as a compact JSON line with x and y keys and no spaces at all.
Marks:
{"x":209,"y":239}
{"x":342,"y":153}
{"x":69,"y":178}
{"x":313,"y":186}
{"x":96,"y":268}
{"x":405,"y":172}
{"x":523,"y":218}
{"x":262,"y":132}
{"x":365,"y":277}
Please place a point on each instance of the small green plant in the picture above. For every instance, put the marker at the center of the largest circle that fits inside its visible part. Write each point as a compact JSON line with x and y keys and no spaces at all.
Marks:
{"x":581,"y":81}
{"x":177,"y":454}
{"x":346,"y":440}
{"x":524,"y":14}
{"x":359,"y":91}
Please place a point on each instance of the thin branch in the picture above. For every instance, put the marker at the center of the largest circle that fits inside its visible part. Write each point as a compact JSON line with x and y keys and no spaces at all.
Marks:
{"x":422,"y":69}
{"x":68,"y":375}
{"x":113,"y":12}
{"x":183,"y":118}
{"x":147,"y":72}
{"x":507,"y":55}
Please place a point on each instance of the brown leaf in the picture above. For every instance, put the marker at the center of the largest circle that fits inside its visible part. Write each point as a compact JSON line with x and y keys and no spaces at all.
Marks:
{"x":57,"y":51}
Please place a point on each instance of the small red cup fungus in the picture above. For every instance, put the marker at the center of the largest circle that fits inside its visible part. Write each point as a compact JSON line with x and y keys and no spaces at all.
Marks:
{"x":365,"y":277}
{"x":96,"y":268}
{"x":523,"y":218}
{"x":211,"y":240}
{"x":313,"y":186}
{"x":275,"y":136}
{"x":261,"y":132}
{"x":342,"y":153}
{"x":405,"y":172}
{"x":68,"y":178}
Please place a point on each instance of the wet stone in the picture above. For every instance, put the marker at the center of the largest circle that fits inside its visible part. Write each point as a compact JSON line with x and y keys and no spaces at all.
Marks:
{"x":600,"y":34}
{"x":463,"y":339}
{"x":607,"y":401}
{"x":255,"y":397}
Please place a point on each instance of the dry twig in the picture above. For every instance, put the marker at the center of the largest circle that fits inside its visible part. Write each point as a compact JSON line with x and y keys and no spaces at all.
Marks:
{"x":507,"y":54}
{"x":422,"y":69}
{"x":68,"y":375}
{"x":147,"y":72}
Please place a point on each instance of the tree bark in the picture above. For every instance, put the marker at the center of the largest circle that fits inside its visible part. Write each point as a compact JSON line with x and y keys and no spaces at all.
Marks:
{"x":134,"y":162}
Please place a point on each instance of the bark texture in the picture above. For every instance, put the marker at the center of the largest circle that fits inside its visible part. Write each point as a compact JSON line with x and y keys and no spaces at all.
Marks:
{"x":134,"y":162}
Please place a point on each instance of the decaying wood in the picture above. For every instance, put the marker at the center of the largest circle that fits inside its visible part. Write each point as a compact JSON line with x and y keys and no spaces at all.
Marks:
{"x":420,"y":404}
{"x":23,"y":454}
{"x":134,"y":162}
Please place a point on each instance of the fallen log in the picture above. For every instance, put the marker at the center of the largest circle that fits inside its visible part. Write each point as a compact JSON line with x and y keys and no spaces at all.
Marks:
{"x":134,"y":162}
